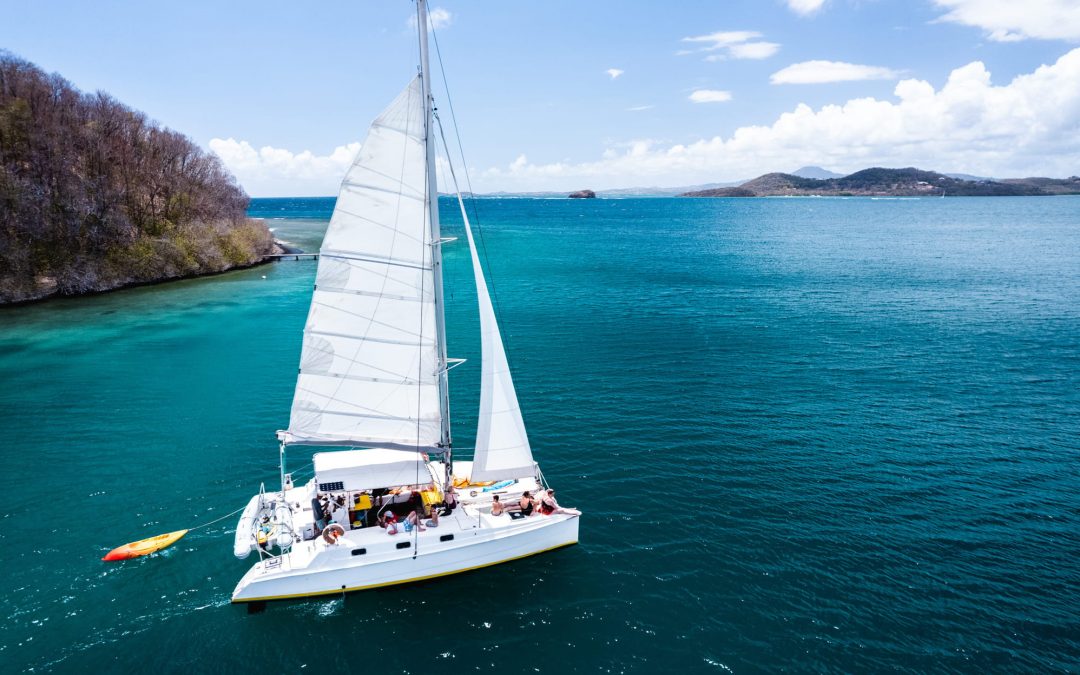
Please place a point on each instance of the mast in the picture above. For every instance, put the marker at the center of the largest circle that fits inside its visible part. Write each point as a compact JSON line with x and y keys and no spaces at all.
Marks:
{"x":433,"y":210}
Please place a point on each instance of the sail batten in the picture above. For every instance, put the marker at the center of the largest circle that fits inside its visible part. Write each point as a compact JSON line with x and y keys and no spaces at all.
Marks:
{"x":369,"y":365}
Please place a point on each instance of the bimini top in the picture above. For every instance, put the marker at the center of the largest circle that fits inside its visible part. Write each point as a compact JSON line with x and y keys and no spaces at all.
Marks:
{"x":370,"y":469}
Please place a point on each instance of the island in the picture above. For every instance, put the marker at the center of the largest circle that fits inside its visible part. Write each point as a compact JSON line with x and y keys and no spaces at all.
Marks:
{"x":583,"y":194}
{"x":879,"y":182}
{"x":95,"y":196}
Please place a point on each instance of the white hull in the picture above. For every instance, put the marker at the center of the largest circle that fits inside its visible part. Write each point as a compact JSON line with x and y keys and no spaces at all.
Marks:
{"x":315,"y":568}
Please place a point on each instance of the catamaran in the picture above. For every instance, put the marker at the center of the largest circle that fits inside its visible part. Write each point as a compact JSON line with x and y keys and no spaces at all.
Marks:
{"x":372,"y":396}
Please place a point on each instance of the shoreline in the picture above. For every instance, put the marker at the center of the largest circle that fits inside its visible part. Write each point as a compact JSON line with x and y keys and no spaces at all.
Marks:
{"x":277,"y":249}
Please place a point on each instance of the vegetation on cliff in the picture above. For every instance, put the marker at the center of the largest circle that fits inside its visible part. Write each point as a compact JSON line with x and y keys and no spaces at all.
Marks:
{"x":94,"y":196}
{"x":878,"y":182}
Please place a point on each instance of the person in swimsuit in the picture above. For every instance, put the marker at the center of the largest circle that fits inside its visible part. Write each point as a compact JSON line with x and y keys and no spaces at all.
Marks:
{"x":450,"y":499}
{"x":496,"y":506}
{"x":413,"y":520}
{"x":526,"y":504}
{"x":548,"y":505}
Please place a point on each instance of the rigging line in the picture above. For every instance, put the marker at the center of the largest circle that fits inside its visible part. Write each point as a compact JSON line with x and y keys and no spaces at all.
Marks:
{"x":233,"y":513}
{"x":218,"y":520}
{"x":505,"y":336}
{"x":468,"y":182}
{"x":445,"y":430}
{"x":420,"y":33}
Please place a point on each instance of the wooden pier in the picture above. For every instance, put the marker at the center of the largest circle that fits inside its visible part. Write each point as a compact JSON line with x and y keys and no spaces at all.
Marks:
{"x":294,"y":256}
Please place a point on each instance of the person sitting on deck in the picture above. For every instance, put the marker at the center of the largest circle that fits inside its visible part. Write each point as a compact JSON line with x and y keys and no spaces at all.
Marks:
{"x":317,"y":515}
{"x":338,"y":513}
{"x":548,"y":505}
{"x":526,"y":504}
{"x":450,"y":499}
{"x":416,"y":503}
{"x":496,"y":506}
{"x":434,"y":522}
{"x":388,"y":521}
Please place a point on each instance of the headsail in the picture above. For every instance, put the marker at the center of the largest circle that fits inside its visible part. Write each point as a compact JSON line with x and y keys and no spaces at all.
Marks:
{"x":502,"y":445}
{"x":370,"y":362}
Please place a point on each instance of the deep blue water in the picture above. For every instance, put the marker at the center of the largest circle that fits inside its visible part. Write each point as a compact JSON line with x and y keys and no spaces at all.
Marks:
{"x":808,"y":435}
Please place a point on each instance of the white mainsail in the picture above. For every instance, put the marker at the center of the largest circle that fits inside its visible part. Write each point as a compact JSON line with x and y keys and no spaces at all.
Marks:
{"x":370,"y":365}
{"x":502,"y":445}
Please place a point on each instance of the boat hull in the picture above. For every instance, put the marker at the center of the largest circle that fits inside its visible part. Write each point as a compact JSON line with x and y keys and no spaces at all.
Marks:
{"x":318,"y":570}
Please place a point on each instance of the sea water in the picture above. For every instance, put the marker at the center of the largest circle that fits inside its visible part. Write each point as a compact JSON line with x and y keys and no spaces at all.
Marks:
{"x":807,"y":434}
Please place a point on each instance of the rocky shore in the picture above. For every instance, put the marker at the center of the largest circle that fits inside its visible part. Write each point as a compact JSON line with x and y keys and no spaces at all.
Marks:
{"x":95,"y":197}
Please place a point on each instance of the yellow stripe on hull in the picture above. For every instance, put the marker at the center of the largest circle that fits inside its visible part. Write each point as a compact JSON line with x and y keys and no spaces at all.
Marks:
{"x":402,"y":581}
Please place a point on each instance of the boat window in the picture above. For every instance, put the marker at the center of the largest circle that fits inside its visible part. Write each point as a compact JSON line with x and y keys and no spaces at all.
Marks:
{"x":446,"y":537}
{"x":359,"y":551}
{"x":404,"y":544}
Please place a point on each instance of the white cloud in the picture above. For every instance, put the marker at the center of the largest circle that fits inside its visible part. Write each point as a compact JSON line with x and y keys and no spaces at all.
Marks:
{"x":275,"y":171}
{"x":735,"y":44}
{"x":1009,"y":20}
{"x":817,"y":72}
{"x":805,"y":7}
{"x":710,"y":96}
{"x":638,"y":108}
{"x":437,"y":17}
{"x":614,"y":72}
{"x":754,"y":50}
{"x":1030,"y":126}
{"x":724,"y":38}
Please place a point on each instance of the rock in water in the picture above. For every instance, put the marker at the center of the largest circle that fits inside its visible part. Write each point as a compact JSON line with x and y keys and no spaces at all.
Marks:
{"x":583,"y":194}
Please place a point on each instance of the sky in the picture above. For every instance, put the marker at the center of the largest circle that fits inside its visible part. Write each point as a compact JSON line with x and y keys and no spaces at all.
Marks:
{"x":566,"y":95}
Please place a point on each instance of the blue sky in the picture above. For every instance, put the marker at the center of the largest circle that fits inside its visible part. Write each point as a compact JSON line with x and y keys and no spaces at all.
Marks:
{"x":284,"y":91}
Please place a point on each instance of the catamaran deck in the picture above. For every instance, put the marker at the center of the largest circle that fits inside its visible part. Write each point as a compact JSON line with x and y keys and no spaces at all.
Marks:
{"x":466,"y":539}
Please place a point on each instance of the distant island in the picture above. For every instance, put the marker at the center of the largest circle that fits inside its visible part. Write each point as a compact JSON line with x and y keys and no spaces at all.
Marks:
{"x":94,"y":196}
{"x":878,"y":182}
{"x":583,"y":194}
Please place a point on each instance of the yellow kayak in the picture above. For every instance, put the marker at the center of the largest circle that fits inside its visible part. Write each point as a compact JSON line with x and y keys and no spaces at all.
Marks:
{"x":145,"y":546}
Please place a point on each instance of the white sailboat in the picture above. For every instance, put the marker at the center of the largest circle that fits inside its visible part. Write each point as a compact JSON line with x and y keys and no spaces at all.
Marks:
{"x":372,"y":390}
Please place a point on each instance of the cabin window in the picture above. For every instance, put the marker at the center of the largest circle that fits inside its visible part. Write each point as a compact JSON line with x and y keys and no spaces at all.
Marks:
{"x":404,"y":544}
{"x":359,"y":551}
{"x":446,"y":537}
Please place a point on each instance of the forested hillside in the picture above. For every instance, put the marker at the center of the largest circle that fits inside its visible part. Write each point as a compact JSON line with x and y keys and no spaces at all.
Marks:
{"x":95,"y":196}
{"x":879,"y":182}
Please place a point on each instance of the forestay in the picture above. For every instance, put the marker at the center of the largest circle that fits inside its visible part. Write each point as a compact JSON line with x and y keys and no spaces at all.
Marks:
{"x":369,"y":367}
{"x":502,"y":445}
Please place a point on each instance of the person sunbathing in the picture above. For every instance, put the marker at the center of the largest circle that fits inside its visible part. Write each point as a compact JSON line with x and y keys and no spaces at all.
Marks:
{"x":496,"y":506}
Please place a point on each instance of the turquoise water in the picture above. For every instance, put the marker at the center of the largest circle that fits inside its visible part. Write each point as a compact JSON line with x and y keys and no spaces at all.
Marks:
{"x":808,"y":434}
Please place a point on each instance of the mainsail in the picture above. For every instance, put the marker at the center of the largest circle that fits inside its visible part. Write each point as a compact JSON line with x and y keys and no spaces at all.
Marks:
{"x":370,"y":366}
{"x":502,"y":446}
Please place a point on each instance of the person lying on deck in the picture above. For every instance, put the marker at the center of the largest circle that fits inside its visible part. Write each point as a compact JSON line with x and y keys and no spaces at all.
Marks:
{"x":406,"y":525}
